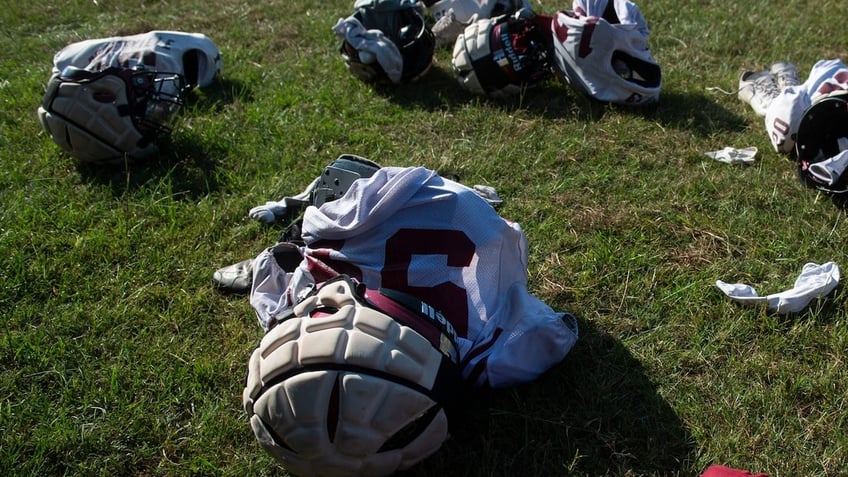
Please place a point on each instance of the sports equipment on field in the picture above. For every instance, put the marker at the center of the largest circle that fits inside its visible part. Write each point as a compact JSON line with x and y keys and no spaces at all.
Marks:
{"x":111,"y":114}
{"x":784,"y":114}
{"x":335,"y":179}
{"x":601,"y":49}
{"x":785,"y":73}
{"x":110,"y":98}
{"x":807,"y":120}
{"x":815,"y":281}
{"x":235,"y":278}
{"x":192,"y":55}
{"x":411,"y":230}
{"x":386,"y":41}
{"x":822,"y":144}
{"x":758,"y":89}
{"x":502,"y":56}
{"x":453,"y":16}
{"x":354,"y":382}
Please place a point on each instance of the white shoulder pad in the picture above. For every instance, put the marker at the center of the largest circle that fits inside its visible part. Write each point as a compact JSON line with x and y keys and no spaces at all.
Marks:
{"x":192,"y":55}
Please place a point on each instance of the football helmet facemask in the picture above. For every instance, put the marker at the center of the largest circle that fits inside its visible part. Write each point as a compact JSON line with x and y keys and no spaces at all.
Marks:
{"x":110,"y":114}
{"x":355,"y":382}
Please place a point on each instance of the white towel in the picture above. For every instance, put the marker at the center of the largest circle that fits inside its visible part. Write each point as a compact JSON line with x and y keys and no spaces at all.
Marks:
{"x":814,"y":281}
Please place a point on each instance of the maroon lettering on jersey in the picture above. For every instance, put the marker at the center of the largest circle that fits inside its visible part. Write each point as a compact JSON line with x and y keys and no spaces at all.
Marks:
{"x":447,"y":297}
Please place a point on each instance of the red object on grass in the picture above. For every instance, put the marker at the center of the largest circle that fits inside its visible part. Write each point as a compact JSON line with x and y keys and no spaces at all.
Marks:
{"x":723,"y":471}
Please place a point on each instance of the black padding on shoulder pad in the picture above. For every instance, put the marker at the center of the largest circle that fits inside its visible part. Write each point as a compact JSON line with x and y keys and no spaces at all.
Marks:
{"x":649,"y":74}
{"x":287,"y":255}
{"x":354,"y":163}
{"x":821,"y":126}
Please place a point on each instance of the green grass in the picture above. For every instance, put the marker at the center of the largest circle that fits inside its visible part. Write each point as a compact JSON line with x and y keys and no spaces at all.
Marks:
{"x":118,"y":358}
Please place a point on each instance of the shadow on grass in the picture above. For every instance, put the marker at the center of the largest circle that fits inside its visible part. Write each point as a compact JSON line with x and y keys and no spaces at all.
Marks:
{"x":222,"y":92}
{"x":185,"y":161}
{"x":595,"y":414}
{"x":187,"y":165}
{"x":696,"y":112}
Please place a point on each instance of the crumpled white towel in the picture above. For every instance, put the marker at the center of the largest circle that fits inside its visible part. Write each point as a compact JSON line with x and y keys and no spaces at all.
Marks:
{"x":372,"y":45}
{"x":732,"y":155}
{"x":815,"y":281}
{"x":831,"y":169}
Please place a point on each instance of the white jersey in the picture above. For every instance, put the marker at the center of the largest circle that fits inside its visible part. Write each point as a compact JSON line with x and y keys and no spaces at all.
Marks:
{"x":784,"y":114}
{"x":192,"y":55}
{"x":411,"y":230}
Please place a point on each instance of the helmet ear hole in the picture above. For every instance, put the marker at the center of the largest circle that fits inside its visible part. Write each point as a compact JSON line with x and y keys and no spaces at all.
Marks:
{"x":644,"y":73}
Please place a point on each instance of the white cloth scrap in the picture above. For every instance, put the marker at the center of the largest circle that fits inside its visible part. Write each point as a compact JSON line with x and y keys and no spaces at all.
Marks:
{"x":815,"y":281}
{"x":831,"y":169}
{"x":732,"y":155}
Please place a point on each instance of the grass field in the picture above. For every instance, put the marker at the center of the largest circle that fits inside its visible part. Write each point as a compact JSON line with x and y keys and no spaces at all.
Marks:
{"x":117,"y":357}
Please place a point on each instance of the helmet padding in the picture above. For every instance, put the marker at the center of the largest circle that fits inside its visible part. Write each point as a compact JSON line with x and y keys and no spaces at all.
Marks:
{"x":90,"y":118}
{"x":349,"y":386}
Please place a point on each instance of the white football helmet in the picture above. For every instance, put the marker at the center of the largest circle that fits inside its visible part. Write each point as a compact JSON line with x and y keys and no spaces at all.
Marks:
{"x":109,"y":98}
{"x":604,"y":53}
{"x":501,"y":56}
{"x":354,"y":383}
{"x":111,"y":114}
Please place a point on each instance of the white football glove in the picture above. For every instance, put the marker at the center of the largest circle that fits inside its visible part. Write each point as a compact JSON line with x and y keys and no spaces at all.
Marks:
{"x":268,"y":212}
{"x":272,"y":211}
{"x":489,"y":194}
